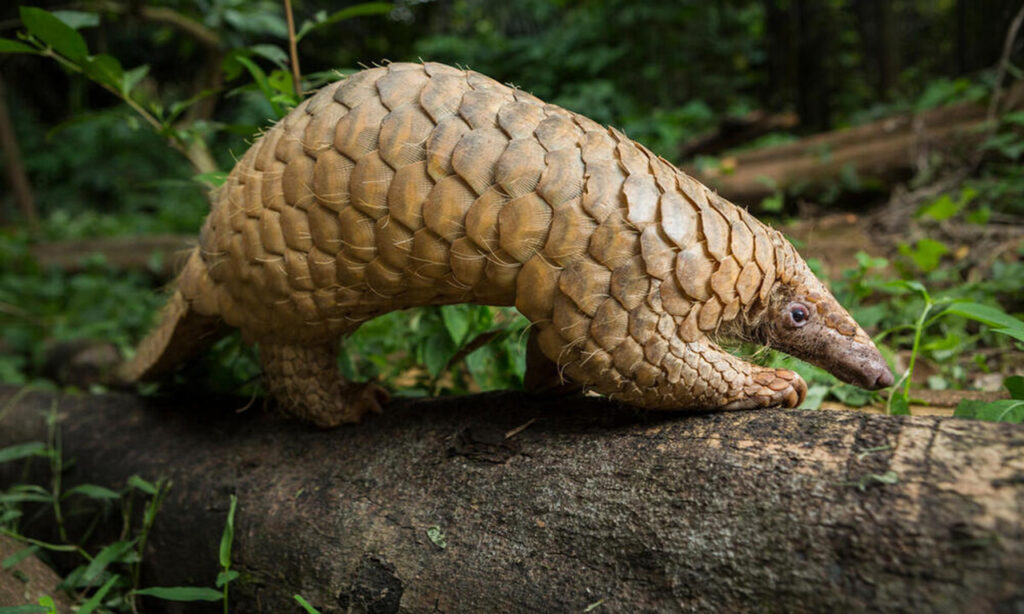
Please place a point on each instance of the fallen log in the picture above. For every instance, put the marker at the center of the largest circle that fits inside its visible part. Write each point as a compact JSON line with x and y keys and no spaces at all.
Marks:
{"x":159,"y":255}
{"x":513,"y":503}
{"x":736,"y":131}
{"x":885,"y":151}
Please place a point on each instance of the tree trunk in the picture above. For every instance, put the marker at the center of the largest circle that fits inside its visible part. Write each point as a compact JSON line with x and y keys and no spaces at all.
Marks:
{"x":20,"y":185}
{"x":505,"y":502}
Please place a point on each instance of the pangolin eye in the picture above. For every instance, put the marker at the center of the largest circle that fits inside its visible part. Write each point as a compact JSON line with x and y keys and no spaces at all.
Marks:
{"x":798,"y":314}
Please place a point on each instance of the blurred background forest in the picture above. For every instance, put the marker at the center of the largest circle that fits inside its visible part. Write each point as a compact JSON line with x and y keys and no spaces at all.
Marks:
{"x":125,"y":114}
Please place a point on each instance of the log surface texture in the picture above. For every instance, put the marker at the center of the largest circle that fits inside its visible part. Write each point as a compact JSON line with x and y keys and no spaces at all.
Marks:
{"x":590,"y":502}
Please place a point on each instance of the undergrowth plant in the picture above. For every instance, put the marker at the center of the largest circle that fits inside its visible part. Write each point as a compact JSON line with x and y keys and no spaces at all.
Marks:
{"x":935,"y":310}
{"x":105,"y":579}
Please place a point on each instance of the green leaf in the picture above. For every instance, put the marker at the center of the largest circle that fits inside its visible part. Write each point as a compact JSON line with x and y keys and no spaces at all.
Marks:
{"x":456,"y":320}
{"x":1005,"y":410}
{"x":19,"y":556}
{"x":22,"y":450}
{"x":1016,"y":117}
{"x":77,"y":19}
{"x":900,"y":406}
{"x":979,"y":216}
{"x":260,"y":78}
{"x":281,"y":81}
{"x":139,"y":484}
{"x":273,"y":53}
{"x":25,"y":609}
{"x":213,"y":178}
{"x":436,"y":352}
{"x":228,"y":537}
{"x":93,"y":492}
{"x":180,"y":593}
{"x":851,"y":395}
{"x":357,"y":10}
{"x":110,"y":554}
{"x":1000,"y":321}
{"x":9,"y":515}
{"x":12,"y":46}
{"x":306,"y":605}
{"x":25,"y":497}
{"x":815,"y":395}
{"x":905,"y":284}
{"x":940,"y":209}
{"x":47,"y":602}
{"x":436,"y":536}
{"x":132,"y":78}
{"x":1015,"y":384}
{"x":105,"y":69}
{"x":55,"y":33}
{"x":97,"y":597}
{"x":927,"y":254}
{"x":226,"y":576}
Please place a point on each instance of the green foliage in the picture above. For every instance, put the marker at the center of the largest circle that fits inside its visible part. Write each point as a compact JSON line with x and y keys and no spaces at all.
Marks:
{"x":1009,"y":410}
{"x":107,"y":577}
{"x":308,"y":607}
{"x":438,"y":350}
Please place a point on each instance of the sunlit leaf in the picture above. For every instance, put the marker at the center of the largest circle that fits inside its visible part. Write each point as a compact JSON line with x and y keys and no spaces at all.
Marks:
{"x":941,"y":208}
{"x":77,"y":19}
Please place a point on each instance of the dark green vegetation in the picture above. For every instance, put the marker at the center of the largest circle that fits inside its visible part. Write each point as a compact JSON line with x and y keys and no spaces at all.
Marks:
{"x":126,"y":114}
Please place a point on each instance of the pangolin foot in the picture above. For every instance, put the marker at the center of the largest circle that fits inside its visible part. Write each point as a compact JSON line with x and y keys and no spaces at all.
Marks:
{"x":771,"y":388}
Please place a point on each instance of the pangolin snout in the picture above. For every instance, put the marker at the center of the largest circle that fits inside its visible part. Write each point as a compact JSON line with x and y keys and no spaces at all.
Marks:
{"x":883,"y":378}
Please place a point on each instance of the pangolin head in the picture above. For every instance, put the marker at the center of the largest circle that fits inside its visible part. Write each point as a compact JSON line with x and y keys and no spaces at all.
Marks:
{"x":804,"y":320}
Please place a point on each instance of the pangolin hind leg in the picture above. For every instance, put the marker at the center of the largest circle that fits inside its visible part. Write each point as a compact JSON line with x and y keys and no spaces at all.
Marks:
{"x":305,"y":379}
{"x":543,"y":376}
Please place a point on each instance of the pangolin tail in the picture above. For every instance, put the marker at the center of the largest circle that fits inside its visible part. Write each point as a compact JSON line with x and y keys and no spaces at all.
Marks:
{"x":181,"y":333}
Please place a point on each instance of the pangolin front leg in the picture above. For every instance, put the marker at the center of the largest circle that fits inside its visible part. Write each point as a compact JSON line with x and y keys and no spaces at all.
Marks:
{"x":305,"y":380}
{"x":732,"y":383}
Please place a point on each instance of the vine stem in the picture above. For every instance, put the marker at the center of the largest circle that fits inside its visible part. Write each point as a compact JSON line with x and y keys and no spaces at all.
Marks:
{"x":293,"y":49}
{"x":175,"y":142}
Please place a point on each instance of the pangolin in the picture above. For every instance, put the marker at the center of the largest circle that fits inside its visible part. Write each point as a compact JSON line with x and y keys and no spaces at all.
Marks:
{"x":422,"y":184}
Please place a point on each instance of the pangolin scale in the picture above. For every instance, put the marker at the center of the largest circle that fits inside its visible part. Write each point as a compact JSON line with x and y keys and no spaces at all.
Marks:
{"x":422,"y":184}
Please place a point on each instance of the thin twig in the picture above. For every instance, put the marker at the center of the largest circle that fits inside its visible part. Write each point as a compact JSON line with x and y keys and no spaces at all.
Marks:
{"x":293,"y":49}
{"x":1004,"y":62}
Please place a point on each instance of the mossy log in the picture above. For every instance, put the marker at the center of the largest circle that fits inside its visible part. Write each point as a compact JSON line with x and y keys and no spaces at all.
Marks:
{"x":506,"y":502}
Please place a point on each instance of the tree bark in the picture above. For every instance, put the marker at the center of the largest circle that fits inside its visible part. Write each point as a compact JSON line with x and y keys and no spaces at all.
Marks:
{"x":505,"y":502}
